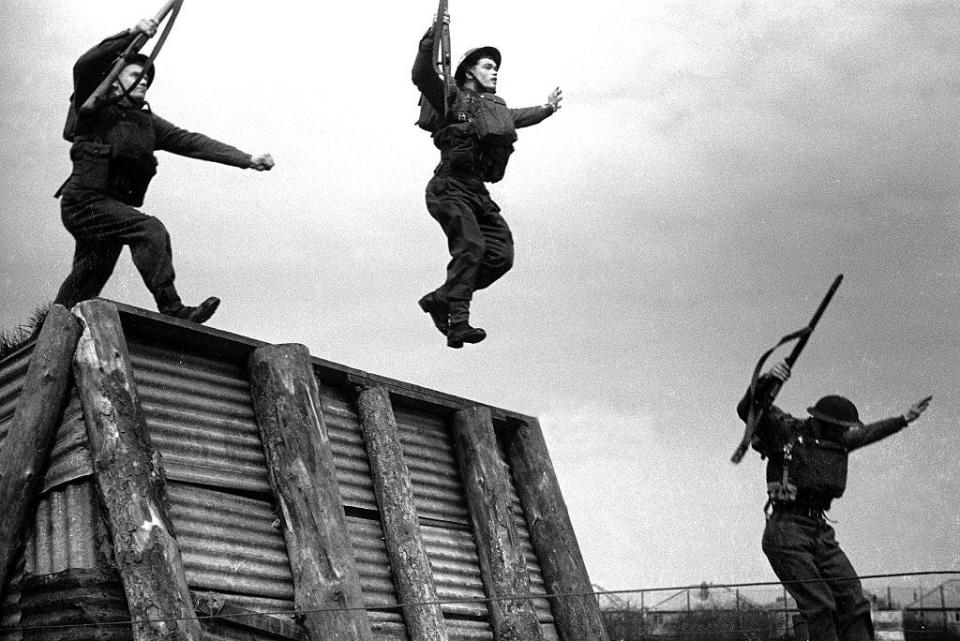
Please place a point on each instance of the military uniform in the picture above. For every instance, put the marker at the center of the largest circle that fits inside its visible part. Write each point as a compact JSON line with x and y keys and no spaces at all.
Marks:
{"x":113,"y":164}
{"x":806,"y":470}
{"x":475,"y":142}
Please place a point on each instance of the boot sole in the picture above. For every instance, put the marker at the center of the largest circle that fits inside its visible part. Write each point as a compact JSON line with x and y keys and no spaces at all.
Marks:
{"x":205,"y":310}
{"x":473,"y":339}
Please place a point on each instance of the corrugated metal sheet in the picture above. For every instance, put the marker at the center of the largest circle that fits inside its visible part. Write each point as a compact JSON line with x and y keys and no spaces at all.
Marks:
{"x":13,"y":369}
{"x":373,"y":565}
{"x":466,"y":630}
{"x":349,"y":452}
{"x":200,"y":416}
{"x":429,"y":453}
{"x":75,"y":598}
{"x":70,"y":457}
{"x":10,"y":606}
{"x":229,"y":543}
{"x":63,"y":534}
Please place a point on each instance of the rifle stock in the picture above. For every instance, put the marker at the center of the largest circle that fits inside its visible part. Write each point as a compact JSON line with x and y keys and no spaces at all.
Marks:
{"x":758,"y":407}
{"x":91,"y":103}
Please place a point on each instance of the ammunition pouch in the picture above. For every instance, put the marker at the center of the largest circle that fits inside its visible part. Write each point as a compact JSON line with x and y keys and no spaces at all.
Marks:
{"x":492,"y":160}
{"x":124,"y":176}
{"x":819,"y":467}
{"x":809,"y":469}
{"x":130,"y":175}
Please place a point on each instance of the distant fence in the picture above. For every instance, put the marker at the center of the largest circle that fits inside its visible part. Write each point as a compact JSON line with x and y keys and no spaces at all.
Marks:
{"x":917,"y":606}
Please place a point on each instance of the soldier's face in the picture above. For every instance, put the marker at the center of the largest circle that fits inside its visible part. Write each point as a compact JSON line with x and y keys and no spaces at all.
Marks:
{"x":485,"y":73}
{"x":129,"y":76}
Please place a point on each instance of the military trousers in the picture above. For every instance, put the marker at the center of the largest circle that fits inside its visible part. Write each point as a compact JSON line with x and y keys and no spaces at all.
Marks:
{"x":478,"y":238}
{"x":101,"y":226}
{"x":806,"y":557}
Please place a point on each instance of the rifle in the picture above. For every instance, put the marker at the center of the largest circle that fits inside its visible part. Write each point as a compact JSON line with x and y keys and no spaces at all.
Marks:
{"x":94,"y":100}
{"x":758,"y":407}
{"x":441,"y":53}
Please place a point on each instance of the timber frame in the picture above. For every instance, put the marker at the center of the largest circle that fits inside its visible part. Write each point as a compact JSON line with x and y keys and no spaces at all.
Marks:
{"x":88,"y":349}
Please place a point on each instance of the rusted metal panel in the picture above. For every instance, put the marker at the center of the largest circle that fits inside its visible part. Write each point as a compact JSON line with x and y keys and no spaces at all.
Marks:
{"x":13,"y":369}
{"x":64,"y":533}
{"x":346,"y":441}
{"x":229,"y":543}
{"x":200,"y":417}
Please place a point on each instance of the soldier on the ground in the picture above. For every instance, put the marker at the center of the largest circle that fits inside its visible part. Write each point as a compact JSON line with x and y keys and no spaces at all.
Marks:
{"x":113,"y":164}
{"x":475,"y":139}
{"x":806,"y":470}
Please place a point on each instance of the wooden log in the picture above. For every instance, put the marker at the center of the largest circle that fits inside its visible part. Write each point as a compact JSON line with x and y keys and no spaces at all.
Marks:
{"x":503,"y":566}
{"x":24,"y":453}
{"x":412,"y":574}
{"x":130,"y":481}
{"x":577,"y":617}
{"x":287,"y":405}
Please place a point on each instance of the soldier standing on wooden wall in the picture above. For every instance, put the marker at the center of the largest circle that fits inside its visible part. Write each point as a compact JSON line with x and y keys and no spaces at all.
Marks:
{"x":475,"y":139}
{"x":113,"y":164}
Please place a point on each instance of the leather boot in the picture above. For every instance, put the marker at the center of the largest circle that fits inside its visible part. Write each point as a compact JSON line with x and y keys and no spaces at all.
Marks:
{"x":462,"y":332}
{"x":437,"y":309}
{"x":199,"y":314}
{"x":459,"y":330}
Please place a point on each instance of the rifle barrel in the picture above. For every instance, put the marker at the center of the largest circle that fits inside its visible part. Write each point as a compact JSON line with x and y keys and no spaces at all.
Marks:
{"x":802,"y":342}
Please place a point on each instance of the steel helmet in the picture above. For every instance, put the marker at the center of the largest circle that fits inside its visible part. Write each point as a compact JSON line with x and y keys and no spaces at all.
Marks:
{"x":471,"y":57}
{"x":836,"y":410}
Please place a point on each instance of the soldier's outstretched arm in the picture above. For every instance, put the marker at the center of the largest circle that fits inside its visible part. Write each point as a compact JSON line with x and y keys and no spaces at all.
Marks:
{"x":527,"y":116}
{"x":93,"y":65}
{"x":857,"y":438}
{"x":424,"y":76}
{"x":261,"y":162}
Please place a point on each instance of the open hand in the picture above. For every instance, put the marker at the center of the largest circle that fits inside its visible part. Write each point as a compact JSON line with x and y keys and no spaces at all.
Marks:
{"x":554,"y":98}
{"x":917,"y":409}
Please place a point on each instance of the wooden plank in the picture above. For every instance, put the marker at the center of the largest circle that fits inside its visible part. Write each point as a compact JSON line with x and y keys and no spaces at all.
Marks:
{"x":26,"y":447}
{"x":503,"y":566}
{"x":130,"y":481}
{"x":398,"y":513}
{"x":577,"y":617}
{"x":297,"y":446}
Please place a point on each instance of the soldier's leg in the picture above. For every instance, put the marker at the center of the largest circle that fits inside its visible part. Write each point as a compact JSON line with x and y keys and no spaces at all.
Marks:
{"x":498,"y":245}
{"x":853,"y":609}
{"x":450,"y":204}
{"x":789,"y":541}
{"x":93,"y":263}
{"x":103,"y":219}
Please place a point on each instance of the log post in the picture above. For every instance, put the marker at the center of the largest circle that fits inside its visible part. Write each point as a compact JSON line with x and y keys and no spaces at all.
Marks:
{"x":503,"y":566}
{"x":130,"y":481}
{"x":287,"y":405}
{"x":552,"y":535}
{"x":412,"y":574}
{"x":23,"y":455}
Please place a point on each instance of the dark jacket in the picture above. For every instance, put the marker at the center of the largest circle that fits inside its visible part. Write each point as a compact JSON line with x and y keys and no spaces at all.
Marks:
{"x":777,"y":429}
{"x":113,"y":146}
{"x":477,"y":136}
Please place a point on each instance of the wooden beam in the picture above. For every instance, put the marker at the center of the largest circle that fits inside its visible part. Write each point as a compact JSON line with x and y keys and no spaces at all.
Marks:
{"x":552,"y":535}
{"x":325,"y":579}
{"x":130,"y":481}
{"x":503,"y":566}
{"x":24,"y":453}
{"x":398,"y":513}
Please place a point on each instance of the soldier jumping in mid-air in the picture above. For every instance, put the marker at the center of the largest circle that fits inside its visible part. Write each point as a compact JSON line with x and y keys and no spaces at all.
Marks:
{"x":113,"y":163}
{"x":475,"y":132}
{"x":806,"y":470}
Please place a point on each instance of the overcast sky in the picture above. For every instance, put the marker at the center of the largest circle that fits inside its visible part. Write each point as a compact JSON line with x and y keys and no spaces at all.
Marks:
{"x":715,"y":165}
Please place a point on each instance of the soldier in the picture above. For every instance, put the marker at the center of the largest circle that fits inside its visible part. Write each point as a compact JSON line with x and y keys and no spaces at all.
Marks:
{"x":113,"y":163}
{"x":806,"y":470}
{"x":475,"y":140}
